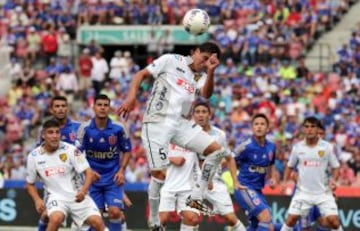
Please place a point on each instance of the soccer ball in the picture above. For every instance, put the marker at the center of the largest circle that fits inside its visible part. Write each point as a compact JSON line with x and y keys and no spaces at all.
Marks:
{"x":196,"y":21}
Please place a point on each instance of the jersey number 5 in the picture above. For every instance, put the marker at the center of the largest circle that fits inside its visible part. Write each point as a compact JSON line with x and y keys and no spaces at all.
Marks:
{"x":162,"y":153}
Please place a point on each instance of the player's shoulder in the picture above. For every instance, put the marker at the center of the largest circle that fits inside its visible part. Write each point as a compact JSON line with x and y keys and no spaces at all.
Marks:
{"x":300,"y":144}
{"x":324,"y":144}
{"x":218,"y":131}
{"x":64,"y":146}
{"x":36,"y":152}
{"x":243,"y":145}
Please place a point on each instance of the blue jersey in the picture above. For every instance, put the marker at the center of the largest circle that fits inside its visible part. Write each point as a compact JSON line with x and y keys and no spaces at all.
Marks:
{"x":103,"y":148}
{"x":69,"y":131}
{"x":253,"y":161}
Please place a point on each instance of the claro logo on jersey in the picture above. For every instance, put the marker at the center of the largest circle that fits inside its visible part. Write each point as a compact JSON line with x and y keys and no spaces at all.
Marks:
{"x":102,"y":155}
{"x":54,"y":171}
{"x":187,"y":86}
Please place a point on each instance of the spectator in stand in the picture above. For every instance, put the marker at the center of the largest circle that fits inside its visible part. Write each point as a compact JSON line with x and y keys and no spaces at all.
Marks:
{"x":98,"y":72}
{"x":85,"y":67}
{"x":67,"y":85}
{"x":49,"y":43}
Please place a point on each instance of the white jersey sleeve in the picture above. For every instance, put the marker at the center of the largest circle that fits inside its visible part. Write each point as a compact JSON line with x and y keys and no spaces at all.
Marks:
{"x":333,"y":161}
{"x":78,"y":160}
{"x":293,"y":159}
{"x":158,"y":65}
{"x":31,"y":169}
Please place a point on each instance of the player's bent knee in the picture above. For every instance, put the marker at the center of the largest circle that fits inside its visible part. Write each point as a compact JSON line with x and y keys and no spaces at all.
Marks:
{"x":264,"y":216}
{"x":164,"y":217}
{"x":190,"y":218}
{"x":114,"y":213}
{"x":96,"y":222}
{"x":231,"y":219}
{"x":56,"y":218}
{"x":333,"y":222}
{"x":291,"y":220}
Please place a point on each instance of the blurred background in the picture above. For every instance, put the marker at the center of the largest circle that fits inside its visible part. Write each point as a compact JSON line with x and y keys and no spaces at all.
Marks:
{"x":286,"y":58}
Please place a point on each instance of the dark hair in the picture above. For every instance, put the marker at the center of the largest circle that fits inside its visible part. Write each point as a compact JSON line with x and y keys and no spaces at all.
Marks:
{"x":51,"y":123}
{"x":211,"y":48}
{"x":260,"y":115}
{"x":102,"y":96}
{"x":312,"y":120}
{"x":58,"y":97}
{"x":321,"y":126}
{"x":201,"y":103}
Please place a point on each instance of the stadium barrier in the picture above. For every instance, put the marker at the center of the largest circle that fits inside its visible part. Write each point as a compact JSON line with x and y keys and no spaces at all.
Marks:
{"x":17,"y":209}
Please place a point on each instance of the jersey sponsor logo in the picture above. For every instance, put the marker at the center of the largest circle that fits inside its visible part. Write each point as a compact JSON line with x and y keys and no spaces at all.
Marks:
{"x":41,"y":162}
{"x":321,"y":153}
{"x":180,"y":70}
{"x":101,"y":155}
{"x":54,"y":171}
{"x":257,"y":169}
{"x":112,"y":139}
{"x":63,"y":157}
{"x":311,"y":163}
{"x":187,"y":86}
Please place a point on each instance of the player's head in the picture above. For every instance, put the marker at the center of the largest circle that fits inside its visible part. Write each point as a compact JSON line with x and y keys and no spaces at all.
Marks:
{"x":59,"y":107}
{"x":201,"y":113}
{"x":310,"y":127}
{"x":101,"y":106}
{"x":259,"y":125}
{"x":202,"y":53}
{"x":51,"y":134}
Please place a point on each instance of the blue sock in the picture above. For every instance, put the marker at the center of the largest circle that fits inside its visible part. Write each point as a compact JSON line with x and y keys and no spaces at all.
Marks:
{"x":263,"y":226}
{"x":42,"y":225}
{"x":277,"y":226}
{"x":321,"y":228}
{"x":115,"y":224}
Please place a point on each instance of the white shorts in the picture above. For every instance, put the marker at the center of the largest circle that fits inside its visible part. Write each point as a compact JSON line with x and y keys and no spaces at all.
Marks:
{"x":79,"y":211}
{"x":220,"y":198}
{"x":301,"y":203}
{"x":175,"y":201}
{"x":156,"y":138}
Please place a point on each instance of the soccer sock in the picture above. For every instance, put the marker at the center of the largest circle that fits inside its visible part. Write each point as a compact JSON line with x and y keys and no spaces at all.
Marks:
{"x":239,"y":226}
{"x":124,"y":226}
{"x":184,"y":227}
{"x":263,"y":226}
{"x":115,"y":224}
{"x":277,"y":226}
{"x":42,"y":225}
{"x":154,"y":200}
{"x":338,"y":229}
{"x":211,"y":162}
{"x":286,"y":228}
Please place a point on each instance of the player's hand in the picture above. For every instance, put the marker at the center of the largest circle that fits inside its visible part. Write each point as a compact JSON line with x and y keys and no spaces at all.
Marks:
{"x":212,"y":62}
{"x":332,"y":185}
{"x":125,"y":108}
{"x":239,"y":186}
{"x":119,"y":178}
{"x":40,"y":206}
{"x":80,"y":196}
{"x":272,"y":183}
{"x":95,"y":176}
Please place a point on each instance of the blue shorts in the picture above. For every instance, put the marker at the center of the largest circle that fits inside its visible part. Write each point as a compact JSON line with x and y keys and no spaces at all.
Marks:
{"x":252,"y":202}
{"x":311,"y":218}
{"x":110,"y":195}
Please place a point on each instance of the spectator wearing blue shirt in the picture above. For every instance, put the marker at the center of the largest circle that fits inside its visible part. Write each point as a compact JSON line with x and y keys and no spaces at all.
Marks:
{"x":254,"y":157}
{"x":103,"y":141}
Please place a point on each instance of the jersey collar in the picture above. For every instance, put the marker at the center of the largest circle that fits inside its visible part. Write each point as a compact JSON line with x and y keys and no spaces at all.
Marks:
{"x":108,"y":126}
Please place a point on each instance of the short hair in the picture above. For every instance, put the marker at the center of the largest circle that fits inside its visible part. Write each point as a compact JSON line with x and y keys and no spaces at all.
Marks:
{"x":58,"y":97}
{"x":102,"y":96}
{"x":211,"y":48}
{"x":260,"y":115}
{"x":201,"y":103}
{"x":51,"y":123}
{"x":312,"y":120}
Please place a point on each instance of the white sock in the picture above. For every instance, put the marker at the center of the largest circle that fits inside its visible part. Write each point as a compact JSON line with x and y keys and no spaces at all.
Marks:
{"x":286,"y":228}
{"x":239,"y":226}
{"x":154,"y":200}
{"x":210,"y":165}
{"x":338,"y":229}
{"x":184,"y":227}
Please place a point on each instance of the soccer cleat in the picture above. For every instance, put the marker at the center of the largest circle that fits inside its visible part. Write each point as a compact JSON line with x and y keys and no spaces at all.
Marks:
{"x":199,"y":205}
{"x":156,"y":228}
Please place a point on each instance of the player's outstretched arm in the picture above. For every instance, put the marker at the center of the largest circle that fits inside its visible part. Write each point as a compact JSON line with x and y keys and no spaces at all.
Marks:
{"x":233,"y":171}
{"x":129,"y":103}
{"x":33,"y":192}
{"x":211,"y":65}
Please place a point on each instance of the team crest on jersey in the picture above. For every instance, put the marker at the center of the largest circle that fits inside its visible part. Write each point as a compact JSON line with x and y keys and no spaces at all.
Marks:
{"x":321,"y":153}
{"x":112,"y":139}
{"x":197,"y":76}
{"x":63,"y":157}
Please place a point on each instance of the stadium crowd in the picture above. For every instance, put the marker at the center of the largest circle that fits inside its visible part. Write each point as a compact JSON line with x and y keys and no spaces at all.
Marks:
{"x":263,"y":70}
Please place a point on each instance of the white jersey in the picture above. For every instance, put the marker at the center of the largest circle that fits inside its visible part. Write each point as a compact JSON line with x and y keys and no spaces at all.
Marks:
{"x":57,"y":170}
{"x":220,"y":137}
{"x":174,"y":88}
{"x":312,"y":164}
{"x":181,"y":178}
